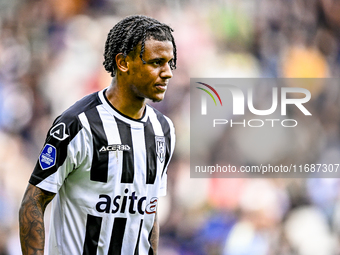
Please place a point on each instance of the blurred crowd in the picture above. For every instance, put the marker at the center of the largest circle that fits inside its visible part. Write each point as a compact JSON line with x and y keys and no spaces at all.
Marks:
{"x":51,"y":54}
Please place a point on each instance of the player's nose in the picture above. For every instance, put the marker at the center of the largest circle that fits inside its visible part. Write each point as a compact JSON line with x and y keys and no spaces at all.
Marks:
{"x":166,"y":72}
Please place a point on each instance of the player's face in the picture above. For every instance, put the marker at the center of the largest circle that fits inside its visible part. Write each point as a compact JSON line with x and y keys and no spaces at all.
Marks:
{"x":150,"y":80}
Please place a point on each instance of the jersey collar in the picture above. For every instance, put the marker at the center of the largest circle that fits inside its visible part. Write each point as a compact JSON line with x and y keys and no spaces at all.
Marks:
{"x":113,"y":111}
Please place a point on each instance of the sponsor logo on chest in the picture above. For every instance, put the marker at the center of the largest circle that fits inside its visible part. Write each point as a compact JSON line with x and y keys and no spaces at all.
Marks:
{"x":127,"y":203}
{"x":115,"y":147}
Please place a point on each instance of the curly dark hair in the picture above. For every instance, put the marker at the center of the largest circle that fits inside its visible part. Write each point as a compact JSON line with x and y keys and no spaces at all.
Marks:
{"x":128,"y":33}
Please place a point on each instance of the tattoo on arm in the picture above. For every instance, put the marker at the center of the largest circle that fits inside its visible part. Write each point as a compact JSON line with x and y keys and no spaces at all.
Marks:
{"x":155,"y":235}
{"x":31,"y":220}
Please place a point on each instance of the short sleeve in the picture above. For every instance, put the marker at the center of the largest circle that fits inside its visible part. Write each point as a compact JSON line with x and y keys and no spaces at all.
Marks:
{"x":64,"y":149}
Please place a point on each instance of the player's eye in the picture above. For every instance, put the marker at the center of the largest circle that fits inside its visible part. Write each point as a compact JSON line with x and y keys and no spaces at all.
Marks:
{"x":172,"y":64}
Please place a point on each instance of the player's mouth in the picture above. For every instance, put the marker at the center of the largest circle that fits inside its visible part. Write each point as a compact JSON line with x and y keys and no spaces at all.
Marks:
{"x":161,"y":86}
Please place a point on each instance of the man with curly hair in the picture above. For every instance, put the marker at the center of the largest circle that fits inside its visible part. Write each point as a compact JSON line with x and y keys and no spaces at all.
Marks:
{"x":104,"y":162}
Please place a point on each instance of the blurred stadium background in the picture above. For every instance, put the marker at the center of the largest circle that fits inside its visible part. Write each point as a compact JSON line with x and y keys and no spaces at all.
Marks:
{"x":51,"y":55}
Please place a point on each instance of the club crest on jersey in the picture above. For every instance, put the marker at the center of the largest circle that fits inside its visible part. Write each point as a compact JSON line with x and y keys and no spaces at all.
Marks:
{"x":160,"y":148}
{"x":115,"y":147}
{"x":47,"y":157}
{"x":59,"y":132}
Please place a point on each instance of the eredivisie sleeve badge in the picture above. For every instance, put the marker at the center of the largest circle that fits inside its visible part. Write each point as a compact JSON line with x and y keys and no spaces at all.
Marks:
{"x":47,"y":157}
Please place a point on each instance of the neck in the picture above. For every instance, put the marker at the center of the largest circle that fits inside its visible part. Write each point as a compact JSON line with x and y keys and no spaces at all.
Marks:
{"x":123,"y":102}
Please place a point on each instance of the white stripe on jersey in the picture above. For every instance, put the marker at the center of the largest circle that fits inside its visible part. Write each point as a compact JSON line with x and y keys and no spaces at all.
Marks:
{"x":155,"y":123}
{"x":173,"y":137}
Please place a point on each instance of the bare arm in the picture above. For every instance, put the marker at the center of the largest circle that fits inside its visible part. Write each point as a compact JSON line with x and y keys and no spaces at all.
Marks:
{"x":31,"y":220}
{"x":155,"y":235}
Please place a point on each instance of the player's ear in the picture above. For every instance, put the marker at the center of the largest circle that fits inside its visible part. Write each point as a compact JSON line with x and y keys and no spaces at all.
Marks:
{"x":122,"y":63}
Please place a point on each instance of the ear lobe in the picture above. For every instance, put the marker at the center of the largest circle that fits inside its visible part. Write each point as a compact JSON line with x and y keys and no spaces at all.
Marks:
{"x":122,"y":63}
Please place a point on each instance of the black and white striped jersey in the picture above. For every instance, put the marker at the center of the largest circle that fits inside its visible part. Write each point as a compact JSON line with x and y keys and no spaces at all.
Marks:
{"x":108,"y":171}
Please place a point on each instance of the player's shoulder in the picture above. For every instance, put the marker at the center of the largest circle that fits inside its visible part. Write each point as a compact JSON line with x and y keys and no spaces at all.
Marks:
{"x":69,"y":119}
{"x":83,"y":105}
{"x":163,"y":119}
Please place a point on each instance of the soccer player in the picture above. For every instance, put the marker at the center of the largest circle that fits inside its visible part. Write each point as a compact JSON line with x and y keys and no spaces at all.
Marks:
{"x":104,"y":162}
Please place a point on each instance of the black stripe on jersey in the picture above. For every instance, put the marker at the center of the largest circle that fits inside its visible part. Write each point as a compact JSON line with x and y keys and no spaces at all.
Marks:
{"x":166,"y":131}
{"x":100,"y":161}
{"x":151,"y":155}
{"x":117,"y":236}
{"x":93,"y":226}
{"x":138,"y":238}
{"x":128,"y":171}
